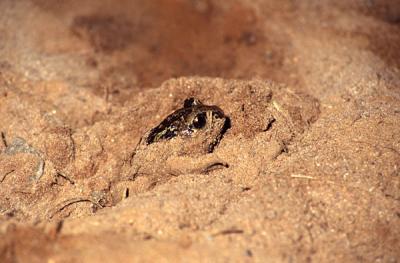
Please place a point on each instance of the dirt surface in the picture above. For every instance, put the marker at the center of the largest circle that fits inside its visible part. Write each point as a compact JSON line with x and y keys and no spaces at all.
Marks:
{"x":309,"y":169}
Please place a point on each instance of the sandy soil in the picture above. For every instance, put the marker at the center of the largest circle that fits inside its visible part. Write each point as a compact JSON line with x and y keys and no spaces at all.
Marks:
{"x":312,"y":89}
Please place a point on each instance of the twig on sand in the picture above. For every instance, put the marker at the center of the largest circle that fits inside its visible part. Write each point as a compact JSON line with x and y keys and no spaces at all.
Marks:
{"x":3,"y":138}
{"x":73,"y":146}
{"x":40,"y":171}
{"x":65,"y":178}
{"x":58,"y":208}
{"x":302,"y":176}
{"x":229,"y":232}
{"x":4,"y":176}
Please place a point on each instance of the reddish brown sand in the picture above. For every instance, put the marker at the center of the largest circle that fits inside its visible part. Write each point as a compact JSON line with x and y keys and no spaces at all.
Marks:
{"x":82,"y":80}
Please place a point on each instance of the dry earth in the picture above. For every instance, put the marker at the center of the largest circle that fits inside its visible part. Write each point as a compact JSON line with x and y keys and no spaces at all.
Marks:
{"x":312,"y":89}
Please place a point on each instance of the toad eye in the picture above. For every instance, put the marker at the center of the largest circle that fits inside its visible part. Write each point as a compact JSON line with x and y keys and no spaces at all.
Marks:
{"x":199,"y":121}
{"x":216,"y":115}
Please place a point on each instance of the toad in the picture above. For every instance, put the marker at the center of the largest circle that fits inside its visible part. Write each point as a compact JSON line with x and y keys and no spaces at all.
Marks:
{"x":182,"y":143}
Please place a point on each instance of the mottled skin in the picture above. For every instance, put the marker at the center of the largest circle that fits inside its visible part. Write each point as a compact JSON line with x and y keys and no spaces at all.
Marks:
{"x":195,"y":121}
{"x":182,"y":143}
